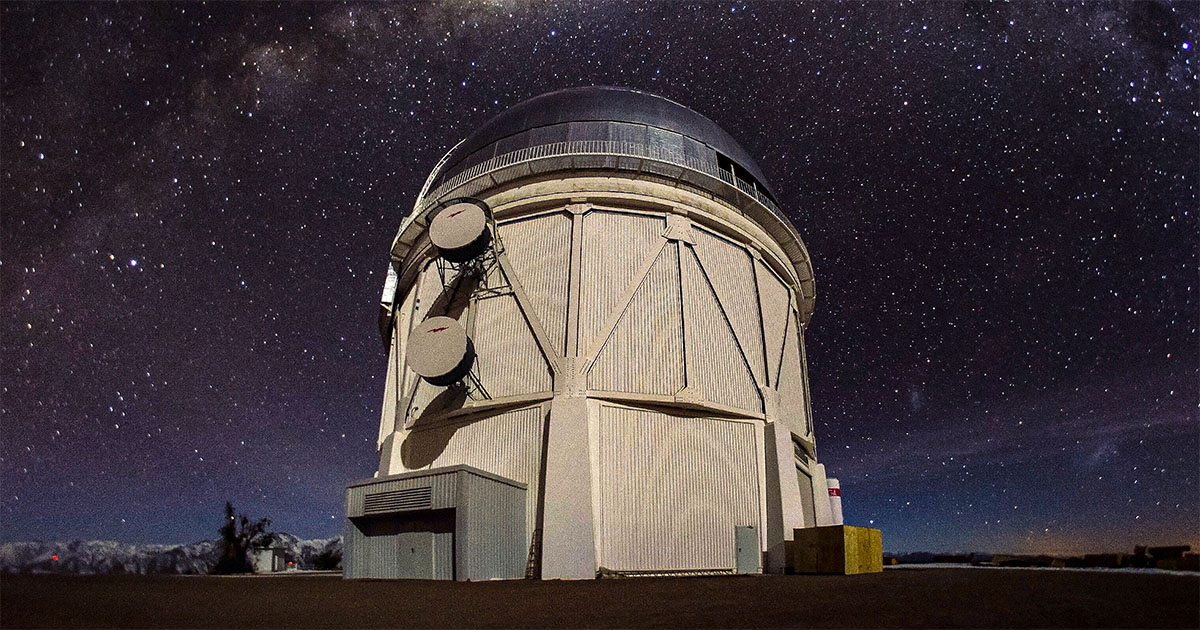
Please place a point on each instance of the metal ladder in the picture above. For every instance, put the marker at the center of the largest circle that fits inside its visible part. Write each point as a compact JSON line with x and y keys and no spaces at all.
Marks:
{"x":533,"y":566}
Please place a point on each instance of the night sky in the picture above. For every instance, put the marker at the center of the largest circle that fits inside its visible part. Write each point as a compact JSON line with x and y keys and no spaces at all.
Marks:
{"x":1000,"y":202}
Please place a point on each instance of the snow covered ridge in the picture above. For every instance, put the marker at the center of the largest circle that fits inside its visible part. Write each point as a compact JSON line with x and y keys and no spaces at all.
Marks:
{"x":94,"y":557}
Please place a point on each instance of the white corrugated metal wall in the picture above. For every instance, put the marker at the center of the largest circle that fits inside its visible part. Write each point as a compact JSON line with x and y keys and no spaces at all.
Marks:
{"x":672,"y":489}
{"x":495,"y":539}
{"x":776,"y":311}
{"x":644,"y":354}
{"x":508,"y":360}
{"x":540,"y":250}
{"x":708,"y":300}
{"x":615,"y":245}
{"x":716,"y":364}
{"x":507,"y":444}
{"x":731,"y":270}
{"x":792,"y":408}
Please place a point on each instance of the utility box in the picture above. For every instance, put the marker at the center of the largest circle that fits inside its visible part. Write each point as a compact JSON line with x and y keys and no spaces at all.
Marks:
{"x":453,"y":523}
{"x":841,"y":549}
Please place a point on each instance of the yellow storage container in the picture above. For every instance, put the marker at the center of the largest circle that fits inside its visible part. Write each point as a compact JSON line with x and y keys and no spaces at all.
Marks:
{"x":841,"y":549}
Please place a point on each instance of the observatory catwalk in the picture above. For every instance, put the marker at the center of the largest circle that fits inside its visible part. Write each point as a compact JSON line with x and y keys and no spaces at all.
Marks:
{"x":595,"y":318}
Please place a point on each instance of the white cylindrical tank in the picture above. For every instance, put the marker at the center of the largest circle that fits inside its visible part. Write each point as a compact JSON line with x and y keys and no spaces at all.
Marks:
{"x":835,"y":499}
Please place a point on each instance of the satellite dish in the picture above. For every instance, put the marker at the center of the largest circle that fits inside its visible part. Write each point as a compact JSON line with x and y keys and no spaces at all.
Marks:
{"x":439,"y":351}
{"x":460,"y":230}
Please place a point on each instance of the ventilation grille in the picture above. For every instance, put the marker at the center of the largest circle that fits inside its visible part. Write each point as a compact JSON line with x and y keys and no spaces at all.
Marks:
{"x":398,"y":500}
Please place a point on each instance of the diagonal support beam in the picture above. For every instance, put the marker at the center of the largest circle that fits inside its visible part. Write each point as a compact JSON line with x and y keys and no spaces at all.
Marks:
{"x":622,"y":305}
{"x":526,"y":306}
{"x":702,"y":263}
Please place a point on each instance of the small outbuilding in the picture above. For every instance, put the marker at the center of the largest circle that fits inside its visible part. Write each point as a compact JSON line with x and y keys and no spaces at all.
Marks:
{"x":268,"y":560}
{"x":452,"y":523}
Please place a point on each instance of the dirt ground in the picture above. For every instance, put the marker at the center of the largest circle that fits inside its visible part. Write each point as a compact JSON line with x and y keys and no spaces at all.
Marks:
{"x":968,"y":598}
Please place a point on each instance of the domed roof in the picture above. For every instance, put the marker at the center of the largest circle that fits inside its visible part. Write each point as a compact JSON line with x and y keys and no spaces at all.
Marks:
{"x":599,"y":104}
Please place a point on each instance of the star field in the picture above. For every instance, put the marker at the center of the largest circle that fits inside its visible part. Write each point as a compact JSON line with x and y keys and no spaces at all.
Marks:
{"x":1000,"y":202}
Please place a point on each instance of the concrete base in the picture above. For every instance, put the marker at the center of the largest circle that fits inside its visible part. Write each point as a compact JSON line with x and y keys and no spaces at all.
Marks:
{"x":839,"y":549}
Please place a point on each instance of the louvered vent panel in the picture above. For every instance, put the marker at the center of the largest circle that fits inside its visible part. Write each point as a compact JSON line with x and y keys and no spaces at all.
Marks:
{"x":398,"y":500}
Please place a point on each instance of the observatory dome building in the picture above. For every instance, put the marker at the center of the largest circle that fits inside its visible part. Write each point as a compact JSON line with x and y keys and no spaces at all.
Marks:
{"x":595,"y":320}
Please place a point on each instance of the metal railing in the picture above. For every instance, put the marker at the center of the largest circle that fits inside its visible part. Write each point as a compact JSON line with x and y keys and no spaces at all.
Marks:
{"x":617,"y":155}
{"x":614,"y":148}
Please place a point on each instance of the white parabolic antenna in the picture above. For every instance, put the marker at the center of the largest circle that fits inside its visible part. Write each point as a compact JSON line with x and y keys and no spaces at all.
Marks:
{"x":439,"y":351}
{"x":460,"y":231}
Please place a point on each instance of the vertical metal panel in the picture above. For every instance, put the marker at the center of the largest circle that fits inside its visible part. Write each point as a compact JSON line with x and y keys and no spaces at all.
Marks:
{"x":572,"y":347}
{"x":548,"y":134}
{"x":540,"y":249}
{"x":507,"y":444}
{"x":508,"y":361}
{"x":405,"y":320}
{"x":512,"y":143}
{"x":614,"y":247}
{"x":352,"y":564}
{"x":731,"y":270}
{"x":493,"y":543}
{"x":645,"y":352}
{"x":588,"y":130}
{"x":372,"y":556}
{"x":776,"y":311}
{"x":792,"y":406}
{"x":627,"y":132}
{"x":672,"y":489}
{"x":443,"y":555}
{"x":664,"y":143}
{"x":717,"y":367}
{"x":806,"y":497}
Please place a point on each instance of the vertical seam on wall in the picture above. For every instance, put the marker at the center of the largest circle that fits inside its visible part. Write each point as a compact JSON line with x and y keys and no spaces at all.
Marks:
{"x":684,"y":313}
{"x":539,"y":512}
{"x":593,"y":409}
{"x":575,"y":266}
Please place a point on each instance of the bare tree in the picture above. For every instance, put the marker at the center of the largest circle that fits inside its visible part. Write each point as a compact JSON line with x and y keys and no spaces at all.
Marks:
{"x":238,"y":534}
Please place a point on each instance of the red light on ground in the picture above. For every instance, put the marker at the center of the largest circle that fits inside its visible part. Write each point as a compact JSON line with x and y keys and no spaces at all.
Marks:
{"x":289,"y":564}
{"x":54,"y":558}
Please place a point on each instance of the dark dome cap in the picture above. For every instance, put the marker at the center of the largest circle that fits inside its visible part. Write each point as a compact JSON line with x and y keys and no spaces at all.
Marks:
{"x":599,"y":104}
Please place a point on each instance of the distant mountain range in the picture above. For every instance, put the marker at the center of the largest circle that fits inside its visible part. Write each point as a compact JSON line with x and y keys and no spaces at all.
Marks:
{"x":95,"y":557}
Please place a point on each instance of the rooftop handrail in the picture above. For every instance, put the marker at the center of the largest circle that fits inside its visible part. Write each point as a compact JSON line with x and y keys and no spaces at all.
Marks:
{"x":618,"y":148}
